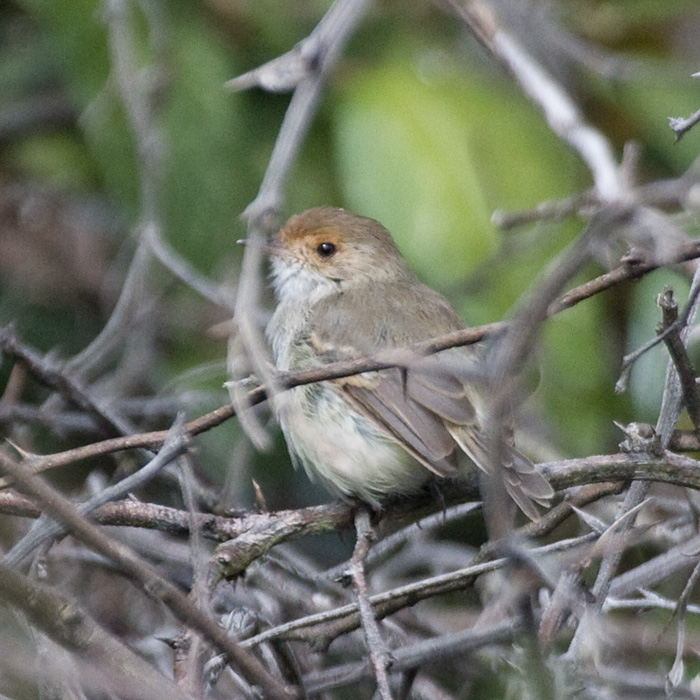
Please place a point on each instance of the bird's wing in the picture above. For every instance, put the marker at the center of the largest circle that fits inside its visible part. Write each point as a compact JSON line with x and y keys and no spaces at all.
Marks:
{"x":384,"y":398}
{"x":525,"y":485}
{"x":428,"y":407}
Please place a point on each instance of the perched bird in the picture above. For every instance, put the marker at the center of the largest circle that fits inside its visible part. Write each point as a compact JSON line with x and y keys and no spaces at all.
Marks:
{"x":344,"y":292}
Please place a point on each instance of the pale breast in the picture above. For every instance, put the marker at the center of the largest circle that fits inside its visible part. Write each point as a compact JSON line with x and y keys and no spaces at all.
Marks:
{"x":345,"y":450}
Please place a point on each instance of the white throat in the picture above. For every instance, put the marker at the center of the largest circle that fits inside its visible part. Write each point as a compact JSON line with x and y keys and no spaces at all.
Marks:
{"x":294,"y":283}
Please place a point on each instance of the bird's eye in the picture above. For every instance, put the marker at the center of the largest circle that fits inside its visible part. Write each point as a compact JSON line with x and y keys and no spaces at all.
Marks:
{"x":326,"y":249}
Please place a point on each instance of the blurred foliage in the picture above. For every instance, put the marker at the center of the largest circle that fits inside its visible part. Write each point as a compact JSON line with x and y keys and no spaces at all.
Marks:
{"x":419,"y":128}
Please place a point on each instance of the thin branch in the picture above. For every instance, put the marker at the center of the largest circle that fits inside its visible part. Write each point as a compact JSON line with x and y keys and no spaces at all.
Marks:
{"x":188,"y":665}
{"x":629,"y":270}
{"x":60,"y":378}
{"x":675,"y":675}
{"x":417,"y":655}
{"x":673,"y":193}
{"x":681,"y":126}
{"x":182,"y":269}
{"x":45,"y":528}
{"x":123,"y":672}
{"x":136,"y":94}
{"x":562,"y":115}
{"x":281,"y":526}
{"x":679,"y":355}
{"x":672,"y":399}
{"x":516,"y":346}
{"x":263,"y":212}
{"x":286,"y":72}
{"x":346,"y":618}
{"x":671,"y":406}
{"x":378,"y":655}
{"x":649,"y":601}
{"x":629,"y":359}
{"x":554,"y":210}
{"x":144,"y":573}
{"x":659,"y":568}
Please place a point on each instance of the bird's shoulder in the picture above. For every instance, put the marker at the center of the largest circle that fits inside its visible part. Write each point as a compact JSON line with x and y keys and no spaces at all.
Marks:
{"x":382,"y":315}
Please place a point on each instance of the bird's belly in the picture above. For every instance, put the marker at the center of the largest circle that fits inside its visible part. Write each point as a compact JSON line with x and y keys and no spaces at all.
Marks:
{"x":348,"y":452}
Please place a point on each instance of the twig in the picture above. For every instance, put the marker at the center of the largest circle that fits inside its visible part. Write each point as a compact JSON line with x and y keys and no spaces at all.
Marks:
{"x":44,"y":528}
{"x":562,"y":115}
{"x":64,"y":422}
{"x":71,"y":626}
{"x":675,"y":675}
{"x":346,"y":618}
{"x":263,"y":212}
{"x":517,"y":344}
{"x":681,"y":126}
{"x":144,"y":573}
{"x":629,"y":359}
{"x":388,"y":545}
{"x":679,"y":355}
{"x":281,"y":526}
{"x":378,"y":655}
{"x":189,"y":662}
{"x":555,"y":210}
{"x":62,"y":380}
{"x":659,"y":568}
{"x":417,"y":655}
{"x":627,"y":271}
{"x":140,"y":106}
{"x":286,"y":72}
{"x":649,"y":601}
{"x":671,"y":402}
{"x":672,"y":193}
{"x":671,"y":406}
{"x":182,"y":269}
{"x":540,"y":528}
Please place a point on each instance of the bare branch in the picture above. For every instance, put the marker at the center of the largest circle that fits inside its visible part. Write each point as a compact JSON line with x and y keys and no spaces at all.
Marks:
{"x":121,"y":672}
{"x":679,"y":355}
{"x":263,"y":212}
{"x":45,"y":528}
{"x":378,"y":655}
{"x":681,"y":126}
{"x":142,"y":572}
{"x":562,"y":115}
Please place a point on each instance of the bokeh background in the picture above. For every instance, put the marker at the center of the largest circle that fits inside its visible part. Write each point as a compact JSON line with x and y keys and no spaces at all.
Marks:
{"x":419,"y":127}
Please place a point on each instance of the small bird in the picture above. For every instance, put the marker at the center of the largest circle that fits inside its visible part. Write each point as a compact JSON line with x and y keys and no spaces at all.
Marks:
{"x":344,"y":292}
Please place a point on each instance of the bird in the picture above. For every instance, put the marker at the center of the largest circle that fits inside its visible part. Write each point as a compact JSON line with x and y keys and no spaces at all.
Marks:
{"x":344,"y":291}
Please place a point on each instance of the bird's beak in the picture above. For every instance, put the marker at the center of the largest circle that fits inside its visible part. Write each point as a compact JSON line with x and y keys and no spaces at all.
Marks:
{"x":269,"y":245}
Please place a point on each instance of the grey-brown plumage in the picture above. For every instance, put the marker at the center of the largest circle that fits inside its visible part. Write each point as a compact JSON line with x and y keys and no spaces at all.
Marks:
{"x":344,"y":292}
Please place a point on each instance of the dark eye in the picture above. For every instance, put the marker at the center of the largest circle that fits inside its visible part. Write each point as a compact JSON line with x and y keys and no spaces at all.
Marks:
{"x":326,"y":249}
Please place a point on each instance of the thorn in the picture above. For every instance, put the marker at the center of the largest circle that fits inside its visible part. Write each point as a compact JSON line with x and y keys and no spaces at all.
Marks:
{"x":260,"y":502}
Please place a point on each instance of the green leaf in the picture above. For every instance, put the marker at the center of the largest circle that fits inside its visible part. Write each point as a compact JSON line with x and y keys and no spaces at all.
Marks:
{"x":431,"y":154}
